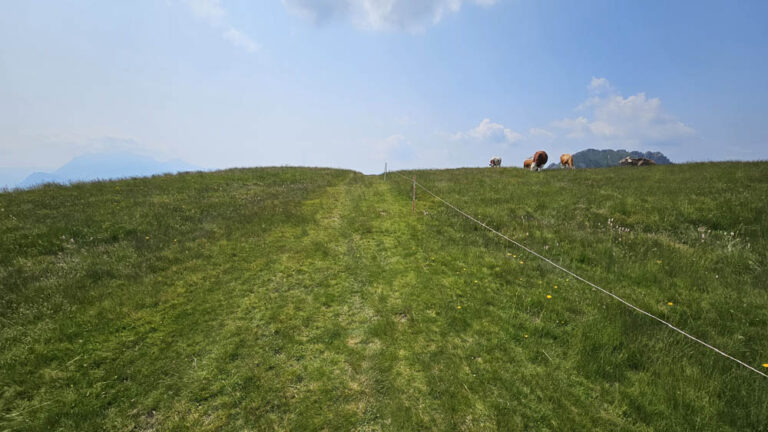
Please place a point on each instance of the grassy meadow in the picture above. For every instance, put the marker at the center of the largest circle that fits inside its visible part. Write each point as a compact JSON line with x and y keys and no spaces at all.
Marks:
{"x":313,"y":299}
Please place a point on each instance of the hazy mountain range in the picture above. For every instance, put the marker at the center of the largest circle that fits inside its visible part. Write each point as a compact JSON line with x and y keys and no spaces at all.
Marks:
{"x":101,"y":166}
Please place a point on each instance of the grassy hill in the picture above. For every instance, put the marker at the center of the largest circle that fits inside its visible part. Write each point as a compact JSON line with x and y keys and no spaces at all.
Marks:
{"x":312,"y":299}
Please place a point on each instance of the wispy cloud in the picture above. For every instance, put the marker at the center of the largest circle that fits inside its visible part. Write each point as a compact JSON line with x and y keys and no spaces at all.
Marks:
{"x":599,"y":85}
{"x":208,"y":10}
{"x":540,"y":133}
{"x":410,"y":15}
{"x":394,"y":148}
{"x":213,"y":13}
{"x":489,"y":132}
{"x":237,"y":38}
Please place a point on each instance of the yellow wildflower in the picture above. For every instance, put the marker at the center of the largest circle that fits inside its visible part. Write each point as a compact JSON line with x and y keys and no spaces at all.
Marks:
{"x":458,"y":307}
{"x":549,"y":296}
{"x":525,"y":336}
{"x":670,"y":304}
{"x":765,"y":365}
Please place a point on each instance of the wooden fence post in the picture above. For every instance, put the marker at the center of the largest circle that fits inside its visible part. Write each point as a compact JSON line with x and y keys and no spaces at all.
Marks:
{"x":413,"y":197}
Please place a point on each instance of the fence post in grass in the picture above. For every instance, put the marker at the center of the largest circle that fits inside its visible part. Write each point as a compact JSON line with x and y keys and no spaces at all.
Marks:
{"x":413,"y":197}
{"x":385,"y":171}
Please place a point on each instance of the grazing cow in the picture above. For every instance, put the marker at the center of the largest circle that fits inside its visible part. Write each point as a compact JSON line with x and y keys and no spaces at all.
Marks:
{"x":527,"y":163}
{"x":495,"y":161}
{"x":636,"y":161}
{"x":566,"y":160}
{"x":539,"y":159}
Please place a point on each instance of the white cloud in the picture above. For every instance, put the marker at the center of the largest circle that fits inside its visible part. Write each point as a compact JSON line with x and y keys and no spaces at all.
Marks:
{"x":541,"y":133}
{"x":212,"y":12}
{"x":239,"y":39}
{"x":208,"y":10}
{"x":488,"y":131}
{"x":394,"y":148}
{"x":575,"y":128}
{"x":630,"y":121}
{"x":599,"y":85}
{"x":412,"y":15}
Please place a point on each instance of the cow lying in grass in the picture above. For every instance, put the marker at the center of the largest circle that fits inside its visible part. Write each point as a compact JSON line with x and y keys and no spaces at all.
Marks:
{"x":636,"y":161}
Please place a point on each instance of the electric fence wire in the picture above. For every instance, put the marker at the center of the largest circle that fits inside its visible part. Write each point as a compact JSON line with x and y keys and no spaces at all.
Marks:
{"x":604,"y":291}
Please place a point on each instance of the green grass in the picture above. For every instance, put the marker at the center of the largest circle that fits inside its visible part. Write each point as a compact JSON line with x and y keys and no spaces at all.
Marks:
{"x":312,"y":299}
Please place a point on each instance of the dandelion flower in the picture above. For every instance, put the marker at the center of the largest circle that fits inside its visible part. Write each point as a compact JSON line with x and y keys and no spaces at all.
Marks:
{"x":458,"y":307}
{"x":146,"y":238}
{"x":670,"y":304}
{"x":525,"y":336}
{"x":521,"y":262}
{"x":765,"y":365}
{"x":555,"y":286}
{"x":509,"y":254}
{"x":549,"y":296}
{"x":475,"y":281}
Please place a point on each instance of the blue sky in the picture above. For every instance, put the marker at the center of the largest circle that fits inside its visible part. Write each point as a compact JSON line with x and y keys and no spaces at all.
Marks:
{"x":352,"y":84}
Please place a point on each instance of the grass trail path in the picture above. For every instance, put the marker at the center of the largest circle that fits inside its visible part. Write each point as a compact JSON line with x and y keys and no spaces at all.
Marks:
{"x":365,"y":321}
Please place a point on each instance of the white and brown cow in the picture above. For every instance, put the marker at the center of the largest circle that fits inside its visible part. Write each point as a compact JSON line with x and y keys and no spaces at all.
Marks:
{"x":495,"y":161}
{"x":636,"y":161}
{"x":539,"y":159}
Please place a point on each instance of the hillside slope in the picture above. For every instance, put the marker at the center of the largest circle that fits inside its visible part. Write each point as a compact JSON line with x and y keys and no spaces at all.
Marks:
{"x":306,"y":299}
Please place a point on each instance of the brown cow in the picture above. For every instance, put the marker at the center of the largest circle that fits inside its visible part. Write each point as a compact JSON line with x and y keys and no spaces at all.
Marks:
{"x":539,"y":159}
{"x":527,"y":163}
{"x":566,"y":160}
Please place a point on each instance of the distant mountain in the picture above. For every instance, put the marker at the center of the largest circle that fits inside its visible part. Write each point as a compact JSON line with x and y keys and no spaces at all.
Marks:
{"x":10,"y":176}
{"x":104,"y":166}
{"x":592,"y":158}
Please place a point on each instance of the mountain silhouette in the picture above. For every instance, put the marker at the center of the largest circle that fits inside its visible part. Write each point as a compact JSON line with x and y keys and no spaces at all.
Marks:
{"x":104,"y":166}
